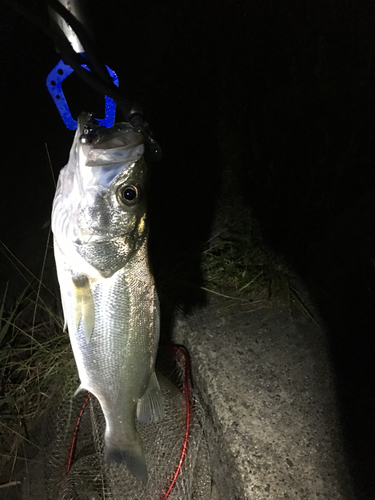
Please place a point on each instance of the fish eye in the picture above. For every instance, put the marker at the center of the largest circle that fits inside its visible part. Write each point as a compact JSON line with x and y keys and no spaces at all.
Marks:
{"x":128,"y":195}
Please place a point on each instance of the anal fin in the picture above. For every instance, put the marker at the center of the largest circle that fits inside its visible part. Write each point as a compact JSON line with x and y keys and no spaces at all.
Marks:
{"x":150,"y":408}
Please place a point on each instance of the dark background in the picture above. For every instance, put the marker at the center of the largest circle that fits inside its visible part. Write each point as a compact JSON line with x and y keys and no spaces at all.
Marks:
{"x":281,"y":93}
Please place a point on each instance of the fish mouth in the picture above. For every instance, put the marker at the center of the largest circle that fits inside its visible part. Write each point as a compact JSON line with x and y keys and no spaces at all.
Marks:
{"x":92,"y":238}
{"x":86,"y":239}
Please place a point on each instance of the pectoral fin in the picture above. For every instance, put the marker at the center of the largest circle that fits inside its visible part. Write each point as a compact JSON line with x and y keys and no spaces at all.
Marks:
{"x":84,"y":305}
{"x":150,"y":408}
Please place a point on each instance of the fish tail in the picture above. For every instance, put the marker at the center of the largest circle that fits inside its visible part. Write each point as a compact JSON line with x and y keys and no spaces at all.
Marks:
{"x":130,"y":454}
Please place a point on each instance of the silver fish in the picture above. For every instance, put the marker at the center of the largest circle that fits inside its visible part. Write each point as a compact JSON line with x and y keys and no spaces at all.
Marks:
{"x":108,"y":294}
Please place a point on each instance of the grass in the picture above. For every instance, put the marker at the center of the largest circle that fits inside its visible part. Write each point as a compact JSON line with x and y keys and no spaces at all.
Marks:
{"x":36,"y":362}
{"x":238,"y":262}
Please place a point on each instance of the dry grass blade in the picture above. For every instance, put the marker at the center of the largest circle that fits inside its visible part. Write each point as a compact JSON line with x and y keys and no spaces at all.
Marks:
{"x":11,"y":483}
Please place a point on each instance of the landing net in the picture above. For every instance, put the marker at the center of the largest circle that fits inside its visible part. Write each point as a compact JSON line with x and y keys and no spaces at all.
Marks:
{"x":176,"y":450}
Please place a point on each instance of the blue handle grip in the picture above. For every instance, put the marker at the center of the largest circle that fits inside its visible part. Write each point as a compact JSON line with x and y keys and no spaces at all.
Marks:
{"x":54,"y":85}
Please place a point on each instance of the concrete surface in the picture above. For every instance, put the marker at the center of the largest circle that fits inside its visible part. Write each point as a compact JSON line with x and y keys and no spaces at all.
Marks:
{"x":265,"y":382}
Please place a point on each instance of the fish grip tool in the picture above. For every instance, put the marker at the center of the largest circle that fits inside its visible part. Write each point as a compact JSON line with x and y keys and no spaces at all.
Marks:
{"x":72,"y":41}
{"x":175,"y":448}
{"x":103,"y":79}
{"x":54,"y":85}
{"x":68,"y":23}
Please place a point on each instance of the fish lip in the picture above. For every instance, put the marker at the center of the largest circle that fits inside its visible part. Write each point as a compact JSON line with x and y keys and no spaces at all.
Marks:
{"x":87,"y":239}
{"x":93,"y":238}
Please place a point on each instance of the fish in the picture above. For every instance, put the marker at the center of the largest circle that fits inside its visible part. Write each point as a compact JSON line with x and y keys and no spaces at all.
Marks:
{"x":109,"y":300}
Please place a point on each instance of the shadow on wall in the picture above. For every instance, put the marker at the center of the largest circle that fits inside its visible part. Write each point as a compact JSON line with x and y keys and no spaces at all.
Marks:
{"x":307,"y":170}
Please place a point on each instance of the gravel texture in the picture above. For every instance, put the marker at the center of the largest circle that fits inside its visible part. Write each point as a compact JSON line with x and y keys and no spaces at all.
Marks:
{"x":265,"y":380}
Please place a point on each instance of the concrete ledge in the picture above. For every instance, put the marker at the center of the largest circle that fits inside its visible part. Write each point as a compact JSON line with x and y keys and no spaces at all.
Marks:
{"x":265,"y":382}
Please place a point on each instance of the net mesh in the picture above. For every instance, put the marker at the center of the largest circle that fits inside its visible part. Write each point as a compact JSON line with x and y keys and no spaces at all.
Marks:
{"x":176,"y":450}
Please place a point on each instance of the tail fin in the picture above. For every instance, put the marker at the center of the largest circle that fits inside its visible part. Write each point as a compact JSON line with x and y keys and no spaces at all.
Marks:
{"x":131,"y":455}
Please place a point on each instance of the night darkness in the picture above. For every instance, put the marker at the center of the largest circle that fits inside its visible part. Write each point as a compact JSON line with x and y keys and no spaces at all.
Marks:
{"x":290,"y":86}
